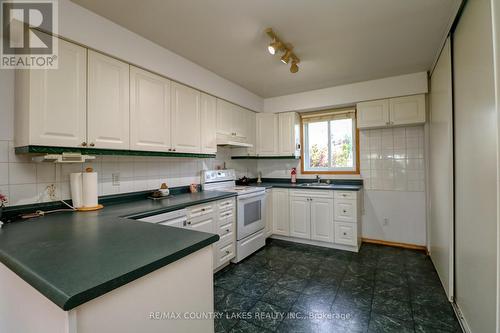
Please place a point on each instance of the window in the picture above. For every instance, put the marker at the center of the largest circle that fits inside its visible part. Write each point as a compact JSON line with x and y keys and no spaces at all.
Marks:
{"x":330,"y":142}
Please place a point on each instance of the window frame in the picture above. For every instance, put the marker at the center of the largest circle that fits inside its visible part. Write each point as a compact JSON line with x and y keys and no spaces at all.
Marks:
{"x":329,"y":171}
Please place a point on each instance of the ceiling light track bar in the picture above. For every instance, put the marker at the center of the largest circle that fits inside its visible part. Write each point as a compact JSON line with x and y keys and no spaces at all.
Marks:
{"x":277,"y":45}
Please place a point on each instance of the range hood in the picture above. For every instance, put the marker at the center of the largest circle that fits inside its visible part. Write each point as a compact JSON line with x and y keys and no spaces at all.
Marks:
{"x":232,"y":144}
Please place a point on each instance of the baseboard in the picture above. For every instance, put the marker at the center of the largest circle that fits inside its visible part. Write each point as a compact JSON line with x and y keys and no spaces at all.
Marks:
{"x":395,"y":244}
{"x":463,"y":323}
{"x":316,"y":243}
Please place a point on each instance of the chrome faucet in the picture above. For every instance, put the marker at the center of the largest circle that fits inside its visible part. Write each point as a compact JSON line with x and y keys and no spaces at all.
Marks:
{"x":318,"y":179}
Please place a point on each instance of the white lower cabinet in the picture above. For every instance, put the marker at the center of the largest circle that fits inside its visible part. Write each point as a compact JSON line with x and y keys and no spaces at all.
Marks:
{"x":300,"y":216}
{"x":281,"y":212}
{"x":320,"y":217}
{"x":269,"y":212}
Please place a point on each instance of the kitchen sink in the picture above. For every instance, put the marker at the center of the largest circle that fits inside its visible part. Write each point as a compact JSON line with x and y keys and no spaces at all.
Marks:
{"x":314,"y":184}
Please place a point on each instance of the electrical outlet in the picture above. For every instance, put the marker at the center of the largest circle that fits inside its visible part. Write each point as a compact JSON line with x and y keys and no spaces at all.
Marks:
{"x":51,"y":192}
{"x":386,"y":221}
{"x":115,"y":178}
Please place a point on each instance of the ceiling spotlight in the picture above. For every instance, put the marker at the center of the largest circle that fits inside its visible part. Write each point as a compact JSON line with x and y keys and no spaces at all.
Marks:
{"x":286,"y":57}
{"x":275,"y":46}
{"x":279,"y":45}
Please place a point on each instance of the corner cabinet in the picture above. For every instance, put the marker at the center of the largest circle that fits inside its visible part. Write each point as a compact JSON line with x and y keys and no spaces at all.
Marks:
{"x":407,"y":110}
{"x":108,"y":102}
{"x":186,"y":119}
{"x":150,"y":111}
{"x":267,"y":134}
{"x":232,"y":123}
{"x":51,"y":105}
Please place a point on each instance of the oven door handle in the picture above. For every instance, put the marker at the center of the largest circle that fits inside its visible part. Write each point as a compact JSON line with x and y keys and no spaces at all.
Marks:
{"x":250,"y":196}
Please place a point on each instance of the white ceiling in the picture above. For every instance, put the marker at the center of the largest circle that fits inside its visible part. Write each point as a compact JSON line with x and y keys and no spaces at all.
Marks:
{"x":338,"y":41}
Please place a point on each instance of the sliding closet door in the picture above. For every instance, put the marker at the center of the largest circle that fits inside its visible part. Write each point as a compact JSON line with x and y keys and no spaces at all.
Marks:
{"x":441,"y":169}
{"x":475,"y":129}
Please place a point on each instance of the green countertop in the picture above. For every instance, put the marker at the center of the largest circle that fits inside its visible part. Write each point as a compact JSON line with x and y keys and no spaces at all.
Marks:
{"x":72,"y":258}
{"x":335,"y":187}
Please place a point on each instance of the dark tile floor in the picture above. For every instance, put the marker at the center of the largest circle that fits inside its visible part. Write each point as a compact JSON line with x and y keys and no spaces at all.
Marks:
{"x":290,"y":287}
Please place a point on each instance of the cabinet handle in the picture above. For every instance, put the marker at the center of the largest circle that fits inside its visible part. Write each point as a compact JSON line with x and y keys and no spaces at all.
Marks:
{"x":344,"y":211}
{"x":84,"y":144}
{"x":227,"y":230}
{"x":203,"y":209}
{"x":184,"y":223}
{"x":92,"y":144}
{"x":169,"y":149}
{"x":227,"y":252}
{"x":173,"y":149}
{"x":189,"y":222}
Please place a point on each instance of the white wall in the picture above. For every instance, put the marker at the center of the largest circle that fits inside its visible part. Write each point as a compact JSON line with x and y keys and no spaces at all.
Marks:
{"x":349,"y":94}
{"x":83,"y":26}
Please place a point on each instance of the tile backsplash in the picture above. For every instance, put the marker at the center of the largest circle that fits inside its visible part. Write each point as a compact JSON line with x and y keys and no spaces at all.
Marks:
{"x":26,"y":182}
{"x":392,"y":159}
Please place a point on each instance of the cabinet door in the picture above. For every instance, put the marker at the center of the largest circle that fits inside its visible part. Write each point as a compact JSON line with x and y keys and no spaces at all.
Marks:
{"x":281,"y":212}
{"x":149,"y":111}
{"x":372,"y":114}
{"x":267,"y":134}
{"x":224,"y":118}
{"x":58,"y":100}
{"x":251,"y":131}
{"x":287,"y":130}
{"x":186,"y":119}
{"x":300,"y":217}
{"x":407,"y":110}
{"x":208,"y":124}
{"x":269,"y":212}
{"x":322,"y":219}
{"x":108,"y":113}
{"x":239,"y":125}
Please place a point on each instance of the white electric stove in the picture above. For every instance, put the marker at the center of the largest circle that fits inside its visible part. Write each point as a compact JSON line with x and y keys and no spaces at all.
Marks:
{"x":250,"y":224}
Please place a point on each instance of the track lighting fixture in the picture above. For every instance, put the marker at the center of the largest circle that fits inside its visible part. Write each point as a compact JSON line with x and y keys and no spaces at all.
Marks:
{"x":287,"y":49}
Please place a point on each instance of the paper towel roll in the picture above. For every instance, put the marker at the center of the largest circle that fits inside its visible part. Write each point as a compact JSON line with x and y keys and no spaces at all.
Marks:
{"x":75,"y":180}
{"x":89,"y":180}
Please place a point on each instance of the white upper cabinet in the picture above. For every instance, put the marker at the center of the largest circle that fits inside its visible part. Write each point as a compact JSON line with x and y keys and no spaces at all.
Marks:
{"x":224,"y":118}
{"x":289,"y":134}
{"x":373,"y":114}
{"x":51,"y":107}
{"x":267,"y":134}
{"x":251,"y":131}
{"x":108,"y":113}
{"x":208,"y":124}
{"x":149,"y":111}
{"x":322,"y":219}
{"x":405,"y":110}
{"x":240,"y":126}
{"x":186,"y":119}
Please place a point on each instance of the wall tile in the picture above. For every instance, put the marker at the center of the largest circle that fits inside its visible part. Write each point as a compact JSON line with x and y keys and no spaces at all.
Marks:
{"x":22,"y":173}
{"x":4,"y":151}
{"x":23,"y":194}
{"x":4,"y":173}
{"x":46,"y":173}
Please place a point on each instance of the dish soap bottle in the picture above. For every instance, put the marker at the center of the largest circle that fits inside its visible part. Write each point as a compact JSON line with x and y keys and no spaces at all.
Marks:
{"x":293,"y":174}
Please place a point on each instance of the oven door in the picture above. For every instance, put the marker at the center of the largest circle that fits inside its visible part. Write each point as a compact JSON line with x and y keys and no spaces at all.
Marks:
{"x":250,"y":214}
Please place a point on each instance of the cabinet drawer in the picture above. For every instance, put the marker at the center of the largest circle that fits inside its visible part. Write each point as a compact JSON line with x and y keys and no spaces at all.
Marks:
{"x":226,"y":238}
{"x":225,"y":204}
{"x":200,"y":210}
{"x":345,"y":195}
{"x":345,"y":210}
{"x":225,"y":253}
{"x":311,"y":193}
{"x":225,"y":228}
{"x":346,"y":233}
{"x":227,"y":214}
